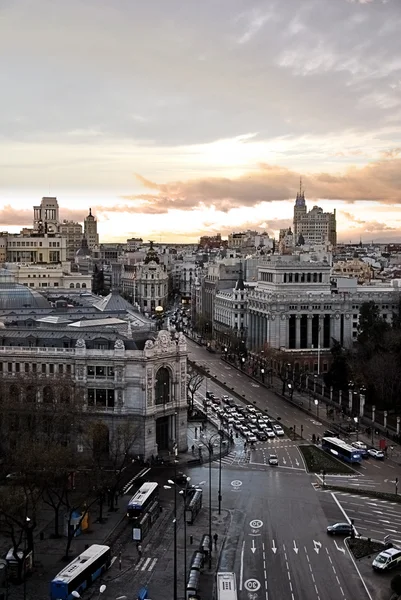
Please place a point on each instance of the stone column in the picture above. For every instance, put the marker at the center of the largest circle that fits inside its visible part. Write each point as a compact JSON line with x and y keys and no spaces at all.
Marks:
{"x":398,"y":425}
{"x":361,"y":405}
{"x":309,"y":332}
{"x":385,"y":419}
{"x":350,"y":392}
{"x":340,"y":398}
{"x":297,"y":331}
{"x":331,"y":393}
{"x":373,"y":413}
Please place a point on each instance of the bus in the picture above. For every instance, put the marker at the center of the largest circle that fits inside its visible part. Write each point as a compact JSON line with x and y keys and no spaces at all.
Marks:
{"x":81,"y":572}
{"x":193,"y":506}
{"x":226,"y":585}
{"x":341,"y":450}
{"x":145,"y":497}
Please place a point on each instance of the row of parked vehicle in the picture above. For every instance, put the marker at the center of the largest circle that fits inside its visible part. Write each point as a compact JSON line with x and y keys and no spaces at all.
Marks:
{"x":250,"y":422}
{"x":366,"y":452}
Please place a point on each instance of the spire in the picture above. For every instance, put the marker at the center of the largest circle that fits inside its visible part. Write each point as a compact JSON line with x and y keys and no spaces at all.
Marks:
{"x":90,"y":212}
{"x":240,"y":285}
{"x":300,"y":185}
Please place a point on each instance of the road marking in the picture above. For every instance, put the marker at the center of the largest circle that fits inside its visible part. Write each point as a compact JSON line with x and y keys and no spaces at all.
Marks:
{"x":359,"y":573}
{"x":274,"y":547}
{"x":317,"y":546}
{"x":145,"y":564}
{"x":252,"y":585}
{"x":256,"y":524}
{"x":340,"y":548}
{"x":265,"y":570}
{"x":295,"y":548}
{"x":241,"y":573}
{"x":310,"y":569}
{"x":253,"y":547}
{"x":343,"y":511}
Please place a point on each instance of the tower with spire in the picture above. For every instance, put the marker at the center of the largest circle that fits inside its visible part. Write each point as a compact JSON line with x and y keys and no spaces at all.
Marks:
{"x":90,"y":231}
{"x":299,"y":210}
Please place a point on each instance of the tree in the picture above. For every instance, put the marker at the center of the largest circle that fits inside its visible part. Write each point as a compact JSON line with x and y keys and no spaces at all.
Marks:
{"x":339,"y":374}
{"x":371,"y":328}
{"x":194,"y":382}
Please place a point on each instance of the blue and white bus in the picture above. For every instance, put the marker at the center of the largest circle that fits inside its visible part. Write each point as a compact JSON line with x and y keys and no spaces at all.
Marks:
{"x":341,"y":450}
{"x":81,"y":572}
{"x":145,"y":497}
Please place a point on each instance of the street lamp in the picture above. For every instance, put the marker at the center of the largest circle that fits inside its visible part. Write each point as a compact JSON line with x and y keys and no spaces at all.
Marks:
{"x":209,"y":445}
{"x":262,"y":372}
{"x":356,"y":420}
{"x":174,"y":485}
{"x":316,"y":401}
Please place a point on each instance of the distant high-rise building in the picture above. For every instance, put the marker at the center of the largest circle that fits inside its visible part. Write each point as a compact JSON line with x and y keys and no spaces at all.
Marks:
{"x":315,"y":226}
{"x":73,"y":232}
{"x":46,"y":216}
{"x":90,"y":231}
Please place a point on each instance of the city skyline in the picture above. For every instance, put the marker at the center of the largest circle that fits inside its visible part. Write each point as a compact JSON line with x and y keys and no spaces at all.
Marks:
{"x":200,"y":118}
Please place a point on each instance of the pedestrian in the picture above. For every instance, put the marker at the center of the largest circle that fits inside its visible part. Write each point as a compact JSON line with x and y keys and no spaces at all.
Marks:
{"x":215,"y":538}
{"x":193,"y":449}
{"x":317,"y":439}
{"x":196,"y":432}
{"x":139,"y":549}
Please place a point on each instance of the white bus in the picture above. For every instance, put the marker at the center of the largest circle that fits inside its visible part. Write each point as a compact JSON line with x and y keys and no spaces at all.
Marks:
{"x":145,"y":497}
{"x":226,"y":584}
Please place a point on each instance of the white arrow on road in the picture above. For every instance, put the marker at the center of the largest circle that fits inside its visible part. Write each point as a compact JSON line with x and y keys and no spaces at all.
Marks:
{"x":253,"y":549}
{"x":284,"y":461}
{"x":297,"y":462}
{"x":340,"y":548}
{"x":295,"y":548}
{"x":274,"y":547}
{"x":317,"y":546}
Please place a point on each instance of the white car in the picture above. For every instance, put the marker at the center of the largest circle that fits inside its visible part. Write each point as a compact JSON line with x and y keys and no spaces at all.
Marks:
{"x":278,"y":430}
{"x":251,"y":438}
{"x":378,"y":454}
{"x":269,"y":432}
{"x":273,"y":460}
{"x":359,"y":445}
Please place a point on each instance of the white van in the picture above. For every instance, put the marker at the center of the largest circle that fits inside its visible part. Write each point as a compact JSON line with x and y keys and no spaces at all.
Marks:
{"x":388,"y":559}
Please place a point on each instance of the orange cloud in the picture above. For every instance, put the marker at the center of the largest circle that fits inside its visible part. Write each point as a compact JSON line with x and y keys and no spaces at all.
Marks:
{"x":378,"y":181}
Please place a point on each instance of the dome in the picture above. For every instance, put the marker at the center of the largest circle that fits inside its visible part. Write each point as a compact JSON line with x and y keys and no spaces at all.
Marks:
{"x":15,"y":296}
{"x":151,"y":255}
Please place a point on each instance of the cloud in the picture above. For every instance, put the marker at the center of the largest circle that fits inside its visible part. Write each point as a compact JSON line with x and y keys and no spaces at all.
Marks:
{"x":378,"y":181}
{"x":10,"y":216}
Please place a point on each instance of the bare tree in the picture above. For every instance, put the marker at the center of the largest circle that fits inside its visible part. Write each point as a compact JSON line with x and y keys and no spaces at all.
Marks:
{"x":194,"y":382}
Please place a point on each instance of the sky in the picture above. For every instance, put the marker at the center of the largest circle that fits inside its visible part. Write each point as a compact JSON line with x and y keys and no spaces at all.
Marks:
{"x":173,"y":119}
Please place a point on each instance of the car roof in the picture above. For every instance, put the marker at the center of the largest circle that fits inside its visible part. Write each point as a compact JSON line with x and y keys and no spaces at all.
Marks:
{"x":390,"y":552}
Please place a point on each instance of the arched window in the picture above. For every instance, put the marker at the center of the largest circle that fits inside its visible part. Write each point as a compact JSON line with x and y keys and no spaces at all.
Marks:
{"x":84,"y":285}
{"x":285,"y":277}
{"x":77,"y":285}
{"x":162,"y":389}
{"x":320,"y":277}
{"x":71,"y":285}
{"x":289,"y":277}
{"x":30,"y":394}
{"x":302,"y":277}
{"x":296,"y":276}
{"x":314,"y":277}
{"x":308,"y":278}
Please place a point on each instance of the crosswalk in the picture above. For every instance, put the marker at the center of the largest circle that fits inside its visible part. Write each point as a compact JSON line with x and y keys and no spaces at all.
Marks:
{"x":235,"y":457}
{"x":146,"y":564}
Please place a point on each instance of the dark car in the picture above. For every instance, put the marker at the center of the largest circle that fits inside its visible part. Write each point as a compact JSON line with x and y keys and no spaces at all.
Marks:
{"x":340,"y":529}
{"x":261,"y":436}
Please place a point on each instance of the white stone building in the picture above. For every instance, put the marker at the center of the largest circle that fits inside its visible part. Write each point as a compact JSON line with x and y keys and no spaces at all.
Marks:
{"x":294,"y":308}
{"x":315,"y":226}
{"x":49,"y":276}
{"x":90,"y":231}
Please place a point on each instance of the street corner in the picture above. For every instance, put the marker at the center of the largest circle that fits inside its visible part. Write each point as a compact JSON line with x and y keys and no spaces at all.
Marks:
{"x":378,"y":584}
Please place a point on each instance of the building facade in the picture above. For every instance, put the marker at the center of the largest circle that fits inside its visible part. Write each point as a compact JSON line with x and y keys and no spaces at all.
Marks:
{"x":90,"y":231}
{"x":72,"y":231}
{"x":48,"y":248}
{"x":295,"y":309}
{"x":315,"y":226}
{"x":46,"y":216}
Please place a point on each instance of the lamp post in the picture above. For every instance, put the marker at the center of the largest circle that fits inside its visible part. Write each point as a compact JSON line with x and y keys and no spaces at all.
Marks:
{"x":356,"y":420}
{"x":159,"y":315}
{"x":220,"y":497}
{"x":209,"y":445}
{"x":316,"y":401}
{"x":262,"y":373}
{"x":173,"y":484}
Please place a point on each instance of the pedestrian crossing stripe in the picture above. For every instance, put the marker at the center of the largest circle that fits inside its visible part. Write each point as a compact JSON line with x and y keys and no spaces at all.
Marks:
{"x":146,"y":564}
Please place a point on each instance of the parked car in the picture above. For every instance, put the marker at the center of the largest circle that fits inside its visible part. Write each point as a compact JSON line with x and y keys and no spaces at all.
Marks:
{"x":378,"y":454}
{"x":261,"y":436}
{"x":273,"y":460}
{"x":269,"y":432}
{"x":340,"y":529}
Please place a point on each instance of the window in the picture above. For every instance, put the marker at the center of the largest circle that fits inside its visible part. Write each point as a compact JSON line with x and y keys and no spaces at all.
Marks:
{"x":26,"y":367}
{"x":110,"y":372}
{"x":69,"y":369}
{"x":51,"y":369}
{"x":43,"y":368}
{"x":61,"y":369}
{"x":90,"y":371}
{"x":34,"y":367}
{"x":17,"y":367}
{"x":100,"y":371}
